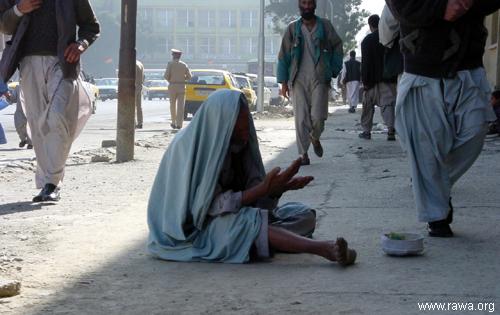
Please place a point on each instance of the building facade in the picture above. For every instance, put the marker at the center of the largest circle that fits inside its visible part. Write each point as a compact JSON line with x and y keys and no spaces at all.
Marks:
{"x":211,"y":33}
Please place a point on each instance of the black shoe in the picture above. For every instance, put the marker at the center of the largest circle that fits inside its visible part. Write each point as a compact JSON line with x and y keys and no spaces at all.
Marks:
{"x":439,"y":229}
{"x":29,"y":147}
{"x":305,"y":160}
{"x":22,"y":143}
{"x":138,"y":126}
{"x":318,"y":148}
{"x":39,"y":197}
{"x":391,"y":136}
{"x":352,"y":110}
{"x":49,"y":192}
{"x":365,"y":135}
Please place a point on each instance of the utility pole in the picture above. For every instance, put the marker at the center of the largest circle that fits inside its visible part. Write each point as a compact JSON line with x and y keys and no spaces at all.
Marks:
{"x":262,"y":62}
{"x":125,"y":134}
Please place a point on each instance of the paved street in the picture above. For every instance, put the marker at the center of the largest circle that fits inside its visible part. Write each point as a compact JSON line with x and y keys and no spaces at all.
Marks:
{"x":101,"y":125}
{"x":86,"y":254}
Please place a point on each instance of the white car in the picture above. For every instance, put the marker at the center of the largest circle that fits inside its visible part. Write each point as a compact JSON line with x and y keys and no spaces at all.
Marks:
{"x":275,"y":87}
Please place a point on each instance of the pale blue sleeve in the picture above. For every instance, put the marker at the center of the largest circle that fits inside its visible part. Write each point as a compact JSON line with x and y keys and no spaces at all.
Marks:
{"x":226,"y":202}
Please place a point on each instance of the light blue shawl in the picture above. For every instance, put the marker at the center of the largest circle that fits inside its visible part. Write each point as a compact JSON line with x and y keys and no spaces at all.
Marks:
{"x":179,"y":226}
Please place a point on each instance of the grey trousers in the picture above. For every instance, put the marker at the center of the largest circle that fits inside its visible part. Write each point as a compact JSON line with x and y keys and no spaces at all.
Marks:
{"x":310,"y":105}
{"x":442,"y":125}
{"x":52,"y":110}
{"x":384,"y":96}
{"x":177,"y":97}
{"x":20,"y":121}
{"x":353,"y":93}
{"x":138,"y":106}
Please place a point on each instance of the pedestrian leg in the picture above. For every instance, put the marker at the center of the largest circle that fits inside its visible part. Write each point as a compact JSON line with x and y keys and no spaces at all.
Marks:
{"x":387,"y":102}
{"x":20,"y":123}
{"x":173,"y":108}
{"x":301,"y":107}
{"x":369,"y":101}
{"x":427,"y":136}
{"x":319,"y":109}
{"x":138,"y":108}
{"x":181,"y":97}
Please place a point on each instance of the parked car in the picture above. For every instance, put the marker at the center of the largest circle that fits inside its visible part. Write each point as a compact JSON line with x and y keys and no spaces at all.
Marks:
{"x":155,"y":89}
{"x":245,"y":85}
{"x":275,"y":87}
{"x":108,"y":88}
{"x":203,"y":83}
{"x":255,"y":87}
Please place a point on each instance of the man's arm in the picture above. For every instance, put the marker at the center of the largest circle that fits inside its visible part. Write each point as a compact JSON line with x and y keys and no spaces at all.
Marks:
{"x":285,"y":56}
{"x":344,"y":73}
{"x":166,"y":75}
{"x":418,"y":13}
{"x":88,"y":31}
{"x":337,"y":58}
{"x":365,"y":59}
{"x":88,"y":26}
{"x":10,"y":15}
{"x":388,"y":28}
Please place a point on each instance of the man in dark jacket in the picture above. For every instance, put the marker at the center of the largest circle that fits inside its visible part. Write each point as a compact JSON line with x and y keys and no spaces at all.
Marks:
{"x":46,"y":48}
{"x":442,"y":108}
{"x":378,"y":90}
{"x":351,"y":78}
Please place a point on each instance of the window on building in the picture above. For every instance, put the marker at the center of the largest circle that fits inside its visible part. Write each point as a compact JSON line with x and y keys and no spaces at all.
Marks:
{"x":494,"y":28}
{"x":227,"y":18}
{"x":162,"y":17}
{"x":186,"y":45}
{"x":206,"y":18}
{"x":248,"y":19}
{"x":272,"y":45}
{"x":207,"y":46}
{"x":185,"y":18}
{"x":249,"y":45}
{"x":168,"y":44}
{"x":227,"y":46}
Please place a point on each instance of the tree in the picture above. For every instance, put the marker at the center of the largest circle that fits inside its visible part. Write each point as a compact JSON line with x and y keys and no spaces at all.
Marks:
{"x":346,"y":15}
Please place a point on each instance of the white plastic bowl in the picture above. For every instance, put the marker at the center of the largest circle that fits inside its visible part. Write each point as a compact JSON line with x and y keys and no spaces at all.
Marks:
{"x":413,"y":244}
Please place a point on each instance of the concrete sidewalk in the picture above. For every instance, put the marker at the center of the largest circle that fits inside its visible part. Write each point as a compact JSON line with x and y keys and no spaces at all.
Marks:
{"x":86,"y":255}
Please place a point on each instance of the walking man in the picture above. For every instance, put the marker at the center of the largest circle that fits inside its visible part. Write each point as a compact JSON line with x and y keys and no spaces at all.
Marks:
{"x":177,"y":74}
{"x":139,"y":80}
{"x":377,"y":89}
{"x":46,"y":48}
{"x":442,"y":108}
{"x":310,"y":56}
{"x":351,"y":77}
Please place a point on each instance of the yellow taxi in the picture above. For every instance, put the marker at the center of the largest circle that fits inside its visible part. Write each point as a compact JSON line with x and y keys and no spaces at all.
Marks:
{"x":203,"y":83}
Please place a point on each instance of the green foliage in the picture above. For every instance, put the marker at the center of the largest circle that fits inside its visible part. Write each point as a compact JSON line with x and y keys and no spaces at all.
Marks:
{"x":347,"y":18}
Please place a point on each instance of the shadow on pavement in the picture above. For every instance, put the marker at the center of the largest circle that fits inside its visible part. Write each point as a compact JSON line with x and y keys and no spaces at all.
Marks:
{"x":23,"y":206}
{"x":131,"y":282}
